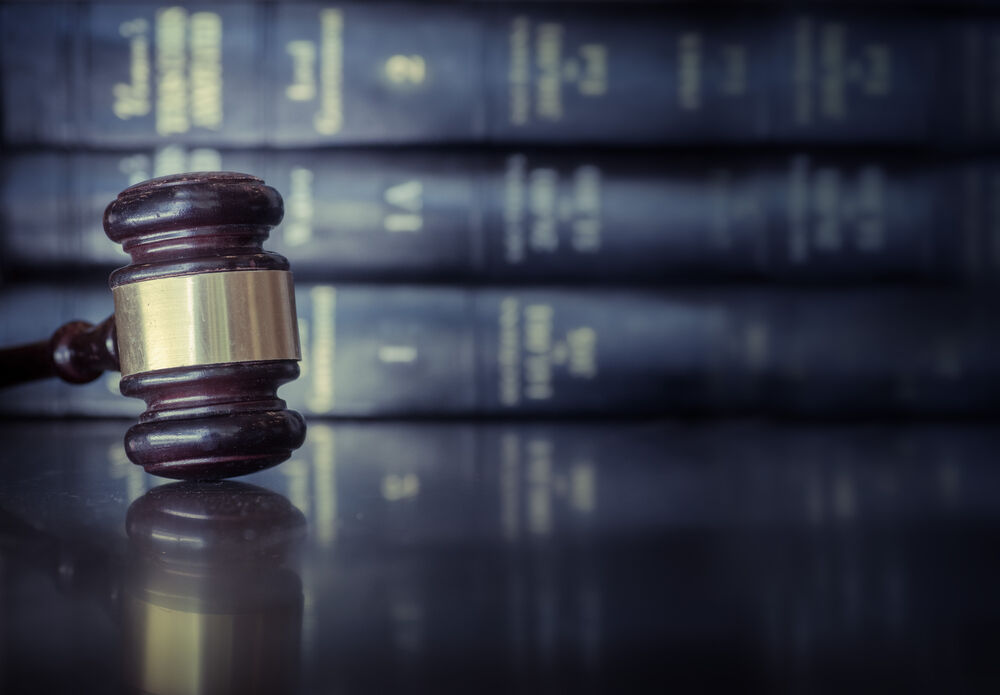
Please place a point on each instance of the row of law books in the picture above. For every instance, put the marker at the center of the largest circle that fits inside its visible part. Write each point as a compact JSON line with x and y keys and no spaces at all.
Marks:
{"x":421,"y":350}
{"x":545,"y":215}
{"x":310,"y":74}
{"x":541,"y":209}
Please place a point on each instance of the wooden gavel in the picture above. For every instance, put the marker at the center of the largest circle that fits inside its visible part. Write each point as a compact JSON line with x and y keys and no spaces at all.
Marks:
{"x":204,"y":328}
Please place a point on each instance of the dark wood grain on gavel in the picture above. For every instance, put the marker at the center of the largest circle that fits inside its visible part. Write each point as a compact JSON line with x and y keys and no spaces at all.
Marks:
{"x":206,"y":418}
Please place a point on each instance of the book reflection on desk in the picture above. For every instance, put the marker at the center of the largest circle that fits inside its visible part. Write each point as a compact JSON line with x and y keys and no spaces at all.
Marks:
{"x":529,"y":550}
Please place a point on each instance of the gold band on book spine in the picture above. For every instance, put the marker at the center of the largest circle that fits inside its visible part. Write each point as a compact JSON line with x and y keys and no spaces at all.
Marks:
{"x":212,"y":318}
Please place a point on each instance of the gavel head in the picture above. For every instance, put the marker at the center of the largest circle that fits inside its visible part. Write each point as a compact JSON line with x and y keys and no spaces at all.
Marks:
{"x":206,"y":325}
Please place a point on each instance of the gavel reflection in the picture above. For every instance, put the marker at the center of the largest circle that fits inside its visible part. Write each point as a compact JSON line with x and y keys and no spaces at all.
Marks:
{"x":209,"y":600}
{"x":204,"y":328}
{"x":209,"y":603}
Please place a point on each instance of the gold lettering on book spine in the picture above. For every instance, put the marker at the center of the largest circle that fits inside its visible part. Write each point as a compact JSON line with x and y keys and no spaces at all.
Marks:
{"x":330,"y":118}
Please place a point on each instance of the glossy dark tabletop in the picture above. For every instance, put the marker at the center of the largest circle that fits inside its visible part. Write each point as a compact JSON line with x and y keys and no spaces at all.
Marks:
{"x":593,"y":557}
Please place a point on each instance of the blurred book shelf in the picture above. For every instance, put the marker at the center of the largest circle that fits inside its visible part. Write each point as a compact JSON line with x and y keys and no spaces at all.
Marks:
{"x":542,"y":209}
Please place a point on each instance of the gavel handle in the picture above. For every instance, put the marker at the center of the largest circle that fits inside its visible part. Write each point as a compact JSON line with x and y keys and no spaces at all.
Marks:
{"x":77,"y":352}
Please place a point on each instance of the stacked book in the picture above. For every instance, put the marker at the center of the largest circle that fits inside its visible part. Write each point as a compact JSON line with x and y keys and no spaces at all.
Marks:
{"x":543,"y":208}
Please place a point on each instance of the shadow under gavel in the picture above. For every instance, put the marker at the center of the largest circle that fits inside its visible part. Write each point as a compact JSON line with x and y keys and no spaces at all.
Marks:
{"x":204,"y":328}
{"x":208,"y":600}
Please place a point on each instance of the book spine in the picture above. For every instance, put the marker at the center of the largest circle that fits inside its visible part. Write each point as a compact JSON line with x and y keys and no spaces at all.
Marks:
{"x":554,"y":352}
{"x":292,"y":74}
{"x":544,"y":216}
{"x":404,"y":351}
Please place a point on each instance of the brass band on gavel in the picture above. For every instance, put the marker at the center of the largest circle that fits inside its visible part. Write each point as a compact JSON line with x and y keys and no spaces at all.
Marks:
{"x":210,"y":318}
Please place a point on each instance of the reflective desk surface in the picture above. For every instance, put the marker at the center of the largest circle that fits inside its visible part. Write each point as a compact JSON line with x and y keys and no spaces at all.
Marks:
{"x":591,"y":557}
